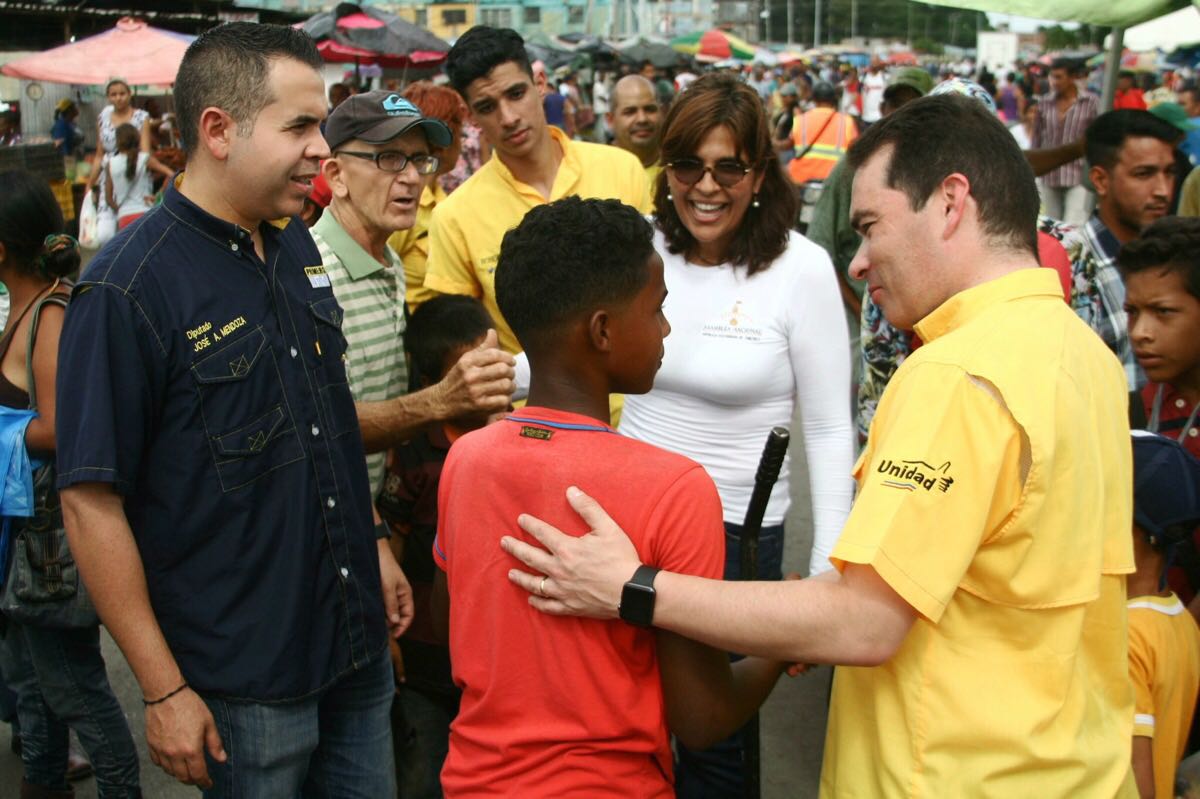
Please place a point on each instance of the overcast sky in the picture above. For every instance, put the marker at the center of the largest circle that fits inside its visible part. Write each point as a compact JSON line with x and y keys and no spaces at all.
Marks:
{"x":1023,"y":24}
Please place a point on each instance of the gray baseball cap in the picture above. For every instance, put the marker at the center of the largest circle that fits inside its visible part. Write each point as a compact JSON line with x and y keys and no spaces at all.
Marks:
{"x":379,"y":117}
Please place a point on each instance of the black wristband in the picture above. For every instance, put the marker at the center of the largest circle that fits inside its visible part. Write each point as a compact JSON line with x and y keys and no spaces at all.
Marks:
{"x":383,"y":530}
{"x":149,"y":702}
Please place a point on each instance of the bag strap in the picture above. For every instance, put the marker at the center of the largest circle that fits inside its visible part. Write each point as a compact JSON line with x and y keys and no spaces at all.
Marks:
{"x":55,"y":297}
{"x":816,"y":138}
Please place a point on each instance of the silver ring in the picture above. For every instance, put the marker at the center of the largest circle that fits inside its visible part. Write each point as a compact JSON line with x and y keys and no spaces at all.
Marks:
{"x":542,"y":587}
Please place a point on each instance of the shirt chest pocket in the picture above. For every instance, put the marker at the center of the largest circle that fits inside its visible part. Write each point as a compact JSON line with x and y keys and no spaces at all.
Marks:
{"x":246,"y":419}
{"x":337,"y":400}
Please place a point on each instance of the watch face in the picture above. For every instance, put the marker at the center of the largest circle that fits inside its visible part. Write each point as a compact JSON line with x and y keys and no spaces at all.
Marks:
{"x":637,"y":604}
{"x":34,"y":91}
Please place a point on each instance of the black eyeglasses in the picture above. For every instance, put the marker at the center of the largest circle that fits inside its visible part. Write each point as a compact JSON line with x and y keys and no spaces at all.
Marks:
{"x":395,"y":161}
{"x":727,"y":173}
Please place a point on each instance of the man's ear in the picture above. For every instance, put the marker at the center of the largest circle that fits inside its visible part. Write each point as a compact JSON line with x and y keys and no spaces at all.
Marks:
{"x":331,"y":168}
{"x":1099,"y":177}
{"x":600,"y":331}
{"x":217,"y":130}
{"x":953,"y":196}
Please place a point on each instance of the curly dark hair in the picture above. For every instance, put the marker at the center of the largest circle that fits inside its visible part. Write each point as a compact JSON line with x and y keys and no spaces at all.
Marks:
{"x":1171,"y":243}
{"x":568,"y":258}
{"x":722,"y":99}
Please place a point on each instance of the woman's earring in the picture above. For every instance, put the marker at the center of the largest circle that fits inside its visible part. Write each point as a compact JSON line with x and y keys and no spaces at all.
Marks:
{"x":670,"y":197}
{"x":755,"y":202}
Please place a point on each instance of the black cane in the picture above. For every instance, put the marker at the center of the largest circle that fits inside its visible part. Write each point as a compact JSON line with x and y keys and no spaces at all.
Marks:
{"x":764,"y":481}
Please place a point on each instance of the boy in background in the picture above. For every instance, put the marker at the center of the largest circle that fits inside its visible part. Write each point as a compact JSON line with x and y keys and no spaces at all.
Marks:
{"x":1164,"y":641}
{"x":1161,"y":269}
{"x":439,"y":333}
{"x":556,"y":707}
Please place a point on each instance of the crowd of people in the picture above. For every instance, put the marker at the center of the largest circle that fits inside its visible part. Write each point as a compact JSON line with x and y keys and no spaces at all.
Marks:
{"x":405,"y":442}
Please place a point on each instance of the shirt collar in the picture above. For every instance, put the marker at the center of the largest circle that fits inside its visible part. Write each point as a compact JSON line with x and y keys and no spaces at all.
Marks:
{"x":433,"y":194}
{"x":1104,"y":237}
{"x":358,"y":262}
{"x":967,"y":304}
{"x":568,"y":168}
{"x":220,"y":229}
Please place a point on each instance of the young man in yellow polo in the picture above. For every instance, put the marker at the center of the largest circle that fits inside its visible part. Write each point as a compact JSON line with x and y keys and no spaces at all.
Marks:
{"x":533,"y":164}
{"x":977,"y":612}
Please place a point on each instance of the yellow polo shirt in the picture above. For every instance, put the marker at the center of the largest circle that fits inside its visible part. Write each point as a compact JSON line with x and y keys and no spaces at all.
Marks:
{"x":994,"y":496}
{"x":1164,"y":666}
{"x":468,"y":227}
{"x":412,"y":246}
{"x":652,"y":173}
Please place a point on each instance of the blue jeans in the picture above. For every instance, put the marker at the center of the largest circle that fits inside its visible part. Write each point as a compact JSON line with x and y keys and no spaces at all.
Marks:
{"x":425,"y":742}
{"x":61,"y":684}
{"x":335,"y":744}
{"x":717,"y":772}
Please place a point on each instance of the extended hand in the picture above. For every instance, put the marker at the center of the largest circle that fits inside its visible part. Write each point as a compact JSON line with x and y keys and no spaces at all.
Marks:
{"x":177,"y":733}
{"x":397,"y":593}
{"x":582,"y":576}
{"x":481,"y":381}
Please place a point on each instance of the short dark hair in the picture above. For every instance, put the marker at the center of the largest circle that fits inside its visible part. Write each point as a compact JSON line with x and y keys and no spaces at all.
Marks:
{"x":1171,"y":243}
{"x":934,"y":137}
{"x":1068,"y":64}
{"x":440,"y":326}
{"x":480,"y":50}
{"x":565,"y":260}
{"x":227,"y":68}
{"x":710,"y":102}
{"x":1108,"y":132}
{"x":29,"y":216}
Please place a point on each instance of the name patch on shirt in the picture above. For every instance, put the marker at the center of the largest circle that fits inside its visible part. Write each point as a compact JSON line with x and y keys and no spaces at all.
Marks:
{"x":540,"y":433}
{"x":317,"y":276}
{"x":906,"y":475}
{"x":734,"y":323}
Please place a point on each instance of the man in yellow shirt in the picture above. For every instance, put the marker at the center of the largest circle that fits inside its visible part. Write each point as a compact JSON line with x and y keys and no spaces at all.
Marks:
{"x":977,"y":612}
{"x":533,"y":164}
{"x":636,"y":122}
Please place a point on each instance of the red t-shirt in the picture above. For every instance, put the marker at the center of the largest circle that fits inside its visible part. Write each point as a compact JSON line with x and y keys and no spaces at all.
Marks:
{"x":555,"y":706}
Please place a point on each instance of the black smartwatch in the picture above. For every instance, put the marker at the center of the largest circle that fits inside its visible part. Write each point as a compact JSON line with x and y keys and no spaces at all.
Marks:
{"x":637,"y":597}
{"x":383,"y":530}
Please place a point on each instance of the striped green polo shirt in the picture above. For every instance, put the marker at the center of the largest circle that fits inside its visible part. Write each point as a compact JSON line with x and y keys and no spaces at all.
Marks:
{"x":372,"y":300}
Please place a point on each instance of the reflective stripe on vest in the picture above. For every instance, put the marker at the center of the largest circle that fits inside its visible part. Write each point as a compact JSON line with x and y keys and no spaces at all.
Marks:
{"x":823,"y":150}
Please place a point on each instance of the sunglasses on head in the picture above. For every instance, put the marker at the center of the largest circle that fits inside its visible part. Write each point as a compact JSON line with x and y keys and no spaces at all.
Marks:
{"x":727,"y":172}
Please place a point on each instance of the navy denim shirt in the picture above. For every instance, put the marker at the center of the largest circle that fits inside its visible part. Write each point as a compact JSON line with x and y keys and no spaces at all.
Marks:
{"x":208,"y":388}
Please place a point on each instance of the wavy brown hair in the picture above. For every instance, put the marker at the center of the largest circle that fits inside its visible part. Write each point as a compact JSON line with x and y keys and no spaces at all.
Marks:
{"x":722,"y":99}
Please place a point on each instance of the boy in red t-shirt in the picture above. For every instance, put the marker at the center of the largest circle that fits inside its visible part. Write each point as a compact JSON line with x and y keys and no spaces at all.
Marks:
{"x":551,"y":706}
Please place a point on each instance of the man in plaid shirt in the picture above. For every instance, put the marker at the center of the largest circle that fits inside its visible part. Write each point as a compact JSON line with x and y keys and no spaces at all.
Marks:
{"x":1131,"y":162}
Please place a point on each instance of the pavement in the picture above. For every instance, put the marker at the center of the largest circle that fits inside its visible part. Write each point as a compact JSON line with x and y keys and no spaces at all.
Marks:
{"x":792,"y":720}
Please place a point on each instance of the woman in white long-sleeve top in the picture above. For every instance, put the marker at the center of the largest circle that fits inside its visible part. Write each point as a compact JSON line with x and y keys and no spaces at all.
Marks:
{"x":757,"y":327}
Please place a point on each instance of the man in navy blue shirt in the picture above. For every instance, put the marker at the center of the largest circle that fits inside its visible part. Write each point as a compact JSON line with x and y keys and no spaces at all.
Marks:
{"x":210,"y":460}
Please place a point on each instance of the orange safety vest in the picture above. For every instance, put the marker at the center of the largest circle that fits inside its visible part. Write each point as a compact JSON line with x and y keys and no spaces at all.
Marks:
{"x":826,"y":150}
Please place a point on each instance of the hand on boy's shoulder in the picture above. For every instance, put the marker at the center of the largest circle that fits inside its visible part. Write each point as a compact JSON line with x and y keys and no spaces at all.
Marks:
{"x":482,"y":381}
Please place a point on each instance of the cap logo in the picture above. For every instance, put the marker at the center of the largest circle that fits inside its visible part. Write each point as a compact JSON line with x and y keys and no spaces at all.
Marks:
{"x":395,"y":105}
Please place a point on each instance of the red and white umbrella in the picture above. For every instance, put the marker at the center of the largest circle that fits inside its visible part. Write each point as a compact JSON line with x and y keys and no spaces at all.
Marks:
{"x":133,"y":50}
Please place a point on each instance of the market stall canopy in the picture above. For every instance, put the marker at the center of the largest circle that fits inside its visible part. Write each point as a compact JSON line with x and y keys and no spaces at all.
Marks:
{"x":714,"y":45}
{"x":1115,"y":13}
{"x":640,"y":48}
{"x":1176,"y":29}
{"x":138,"y":53}
{"x":368,"y":35}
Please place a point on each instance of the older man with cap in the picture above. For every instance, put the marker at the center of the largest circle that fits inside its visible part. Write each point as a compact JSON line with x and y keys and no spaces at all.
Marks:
{"x":381,"y":160}
{"x":636,"y":121}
